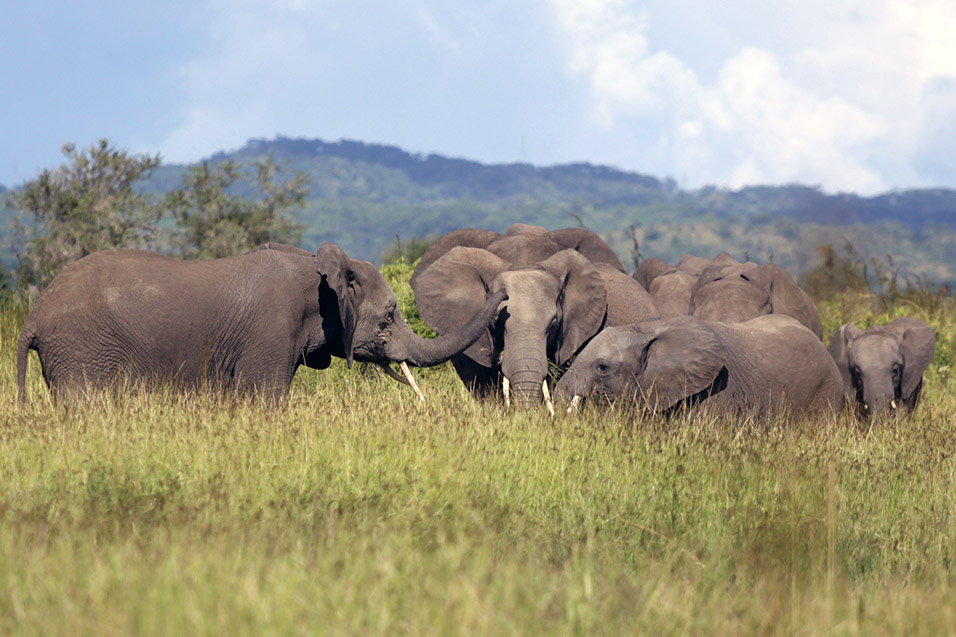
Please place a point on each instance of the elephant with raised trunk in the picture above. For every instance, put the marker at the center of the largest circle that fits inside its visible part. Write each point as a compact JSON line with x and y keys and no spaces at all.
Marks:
{"x":757,"y":367}
{"x":243,"y":323}
{"x":883,"y":367}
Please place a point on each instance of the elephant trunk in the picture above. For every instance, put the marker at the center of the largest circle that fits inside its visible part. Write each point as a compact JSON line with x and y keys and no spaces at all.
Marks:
{"x":568,"y":387}
{"x":406,"y":346}
{"x":879,"y":398}
{"x":525,"y":366}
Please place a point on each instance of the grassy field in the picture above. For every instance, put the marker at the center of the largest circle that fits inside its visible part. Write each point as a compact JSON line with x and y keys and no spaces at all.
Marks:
{"x":351,"y":509}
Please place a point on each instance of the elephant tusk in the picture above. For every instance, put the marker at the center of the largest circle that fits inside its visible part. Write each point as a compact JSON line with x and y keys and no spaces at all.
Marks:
{"x":411,"y":381}
{"x":506,"y":390}
{"x":574,"y":403}
{"x":893,"y":403}
{"x":393,"y":374}
{"x":547,"y":397}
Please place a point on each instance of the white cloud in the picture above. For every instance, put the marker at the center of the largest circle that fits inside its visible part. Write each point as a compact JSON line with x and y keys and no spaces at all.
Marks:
{"x":837,"y":94}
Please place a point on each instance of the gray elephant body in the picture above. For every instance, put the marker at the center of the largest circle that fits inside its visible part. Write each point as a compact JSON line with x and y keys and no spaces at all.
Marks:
{"x":243,"y":322}
{"x":883,"y":367}
{"x":726,"y":290}
{"x":759,"y":366}
{"x":522,"y":244}
{"x":561,"y":285}
{"x":670,"y":288}
{"x":553,"y":308}
{"x":627,"y":301}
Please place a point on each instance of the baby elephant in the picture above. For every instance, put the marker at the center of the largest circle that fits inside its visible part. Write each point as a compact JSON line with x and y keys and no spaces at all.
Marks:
{"x":883,"y":366}
{"x":758,"y":366}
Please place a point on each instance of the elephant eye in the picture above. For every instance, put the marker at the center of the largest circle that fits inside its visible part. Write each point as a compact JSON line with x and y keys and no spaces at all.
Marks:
{"x":601,"y":367}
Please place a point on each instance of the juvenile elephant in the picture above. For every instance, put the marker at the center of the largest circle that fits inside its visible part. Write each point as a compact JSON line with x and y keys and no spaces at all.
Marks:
{"x":758,"y":366}
{"x":883,"y":367}
{"x":244,"y":322}
{"x":553,"y":308}
{"x":522,"y":245}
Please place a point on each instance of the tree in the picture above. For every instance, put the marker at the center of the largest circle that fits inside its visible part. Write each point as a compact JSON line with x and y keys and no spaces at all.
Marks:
{"x":85,"y":205}
{"x":215,"y":222}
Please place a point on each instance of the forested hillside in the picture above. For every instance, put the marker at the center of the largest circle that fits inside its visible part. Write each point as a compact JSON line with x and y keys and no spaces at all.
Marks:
{"x":364,"y":196}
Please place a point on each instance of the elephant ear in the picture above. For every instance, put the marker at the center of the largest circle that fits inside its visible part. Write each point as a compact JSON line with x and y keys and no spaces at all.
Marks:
{"x":681,"y":357}
{"x":591,"y":245}
{"x":465,"y":237}
{"x":582,"y":301}
{"x":336,"y":270}
{"x":786,"y":297}
{"x":919,"y":345}
{"x":650,"y":269}
{"x":838,"y":348}
{"x":453,"y":288}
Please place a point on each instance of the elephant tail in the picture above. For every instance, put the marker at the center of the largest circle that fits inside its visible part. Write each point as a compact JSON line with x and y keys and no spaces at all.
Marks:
{"x":28,"y":341}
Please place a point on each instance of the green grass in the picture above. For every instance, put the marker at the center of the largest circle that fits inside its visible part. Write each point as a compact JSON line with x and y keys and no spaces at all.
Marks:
{"x":352,"y":509}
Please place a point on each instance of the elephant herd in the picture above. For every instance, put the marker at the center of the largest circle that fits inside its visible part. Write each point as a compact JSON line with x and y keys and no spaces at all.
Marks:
{"x":511,"y":310}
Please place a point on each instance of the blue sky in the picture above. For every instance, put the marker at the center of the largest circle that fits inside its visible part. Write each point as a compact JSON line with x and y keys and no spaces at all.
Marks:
{"x":855,"y":95}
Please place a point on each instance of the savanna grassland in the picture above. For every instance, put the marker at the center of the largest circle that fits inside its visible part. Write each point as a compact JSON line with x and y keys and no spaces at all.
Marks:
{"x":352,"y":509}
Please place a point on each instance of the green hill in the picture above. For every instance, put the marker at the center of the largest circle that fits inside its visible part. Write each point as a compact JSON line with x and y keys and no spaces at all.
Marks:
{"x":364,"y":196}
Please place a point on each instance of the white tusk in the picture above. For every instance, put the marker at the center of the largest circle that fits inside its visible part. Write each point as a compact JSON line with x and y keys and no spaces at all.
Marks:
{"x":893,"y":403}
{"x":547,"y":397}
{"x":393,"y":374}
{"x":574,"y":403}
{"x":411,"y":381}
{"x":506,"y":388}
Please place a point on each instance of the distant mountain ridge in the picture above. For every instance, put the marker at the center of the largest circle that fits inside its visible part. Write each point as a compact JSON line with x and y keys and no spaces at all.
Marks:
{"x":435,"y":177}
{"x":366,"y":196}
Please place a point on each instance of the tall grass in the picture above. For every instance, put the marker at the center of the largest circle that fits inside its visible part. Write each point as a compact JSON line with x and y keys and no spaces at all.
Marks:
{"x":352,"y":509}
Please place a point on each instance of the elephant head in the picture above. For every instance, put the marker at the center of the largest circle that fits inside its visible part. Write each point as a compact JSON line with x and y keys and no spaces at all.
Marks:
{"x":883,"y":366}
{"x":553,"y":308}
{"x":373,"y":329}
{"x":660,"y":363}
{"x":738,"y":292}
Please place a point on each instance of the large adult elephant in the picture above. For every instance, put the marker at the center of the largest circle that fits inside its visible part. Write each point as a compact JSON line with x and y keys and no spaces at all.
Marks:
{"x":883,"y":367}
{"x":554,"y":306}
{"x":244,"y":323}
{"x":758,"y":366}
{"x":522,"y":244}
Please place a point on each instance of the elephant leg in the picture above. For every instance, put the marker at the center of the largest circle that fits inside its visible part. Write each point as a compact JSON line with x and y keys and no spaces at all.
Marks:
{"x":483,"y":382}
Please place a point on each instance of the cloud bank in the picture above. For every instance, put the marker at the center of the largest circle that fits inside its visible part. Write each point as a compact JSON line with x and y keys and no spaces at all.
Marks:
{"x":855,"y":97}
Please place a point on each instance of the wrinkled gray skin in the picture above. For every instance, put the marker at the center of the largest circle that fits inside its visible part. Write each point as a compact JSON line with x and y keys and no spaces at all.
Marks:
{"x":560,"y":286}
{"x":883,"y":367}
{"x":726,"y":290}
{"x":244,"y":323}
{"x":757,"y":367}
{"x":553,"y":308}
{"x":522,"y":244}
{"x":671,"y":287}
